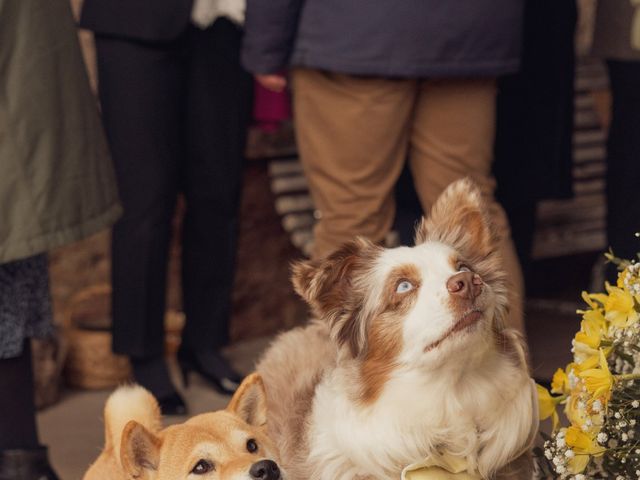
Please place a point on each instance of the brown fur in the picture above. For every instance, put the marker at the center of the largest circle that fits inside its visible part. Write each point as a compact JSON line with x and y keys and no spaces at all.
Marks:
{"x":385,"y":333}
{"x":353,"y":347}
{"x":143,"y":450}
{"x":460,"y":219}
{"x":329,"y":288}
{"x":291,"y":387}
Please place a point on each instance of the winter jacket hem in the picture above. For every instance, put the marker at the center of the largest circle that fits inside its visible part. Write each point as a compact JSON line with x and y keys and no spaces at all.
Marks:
{"x":420,"y":69}
{"x":17,"y":249}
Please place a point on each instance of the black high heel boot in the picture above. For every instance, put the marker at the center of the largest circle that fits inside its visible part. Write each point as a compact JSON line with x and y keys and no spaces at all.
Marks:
{"x":153,"y":374}
{"x":26,"y":464}
{"x":212,"y":366}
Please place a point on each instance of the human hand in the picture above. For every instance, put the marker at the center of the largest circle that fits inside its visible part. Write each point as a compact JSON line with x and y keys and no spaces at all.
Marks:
{"x":273,"y":82}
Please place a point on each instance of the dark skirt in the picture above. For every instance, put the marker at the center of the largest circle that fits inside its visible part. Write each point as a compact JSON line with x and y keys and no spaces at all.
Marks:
{"x":25,"y":303}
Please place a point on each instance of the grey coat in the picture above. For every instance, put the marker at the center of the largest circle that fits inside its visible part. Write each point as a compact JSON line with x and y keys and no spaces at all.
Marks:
{"x":391,"y":38}
{"x":56,"y":179}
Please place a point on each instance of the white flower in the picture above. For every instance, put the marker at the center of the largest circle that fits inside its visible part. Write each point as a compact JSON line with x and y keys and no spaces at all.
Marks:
{"x":597,"y":406}
{"x":635,"y":404}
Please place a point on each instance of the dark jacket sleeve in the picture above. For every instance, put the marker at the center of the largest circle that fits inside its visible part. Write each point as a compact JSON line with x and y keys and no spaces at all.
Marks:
{"x":270,"y":31}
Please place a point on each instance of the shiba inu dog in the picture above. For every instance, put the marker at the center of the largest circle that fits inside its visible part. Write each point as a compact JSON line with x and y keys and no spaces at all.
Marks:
{"x":230,"y":444}
{"x":408,"y":359}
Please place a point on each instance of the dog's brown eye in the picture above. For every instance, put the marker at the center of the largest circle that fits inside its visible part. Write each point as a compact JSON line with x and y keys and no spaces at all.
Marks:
{"x":463,"y":267}
{"x":202,"y":467}
{"x":252,"y":446}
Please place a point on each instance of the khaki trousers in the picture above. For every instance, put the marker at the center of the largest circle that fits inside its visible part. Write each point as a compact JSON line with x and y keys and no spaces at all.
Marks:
{"x":355,"y":133}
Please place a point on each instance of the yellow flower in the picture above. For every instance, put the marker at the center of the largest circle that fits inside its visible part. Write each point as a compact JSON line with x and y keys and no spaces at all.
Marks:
{"x":574,"y":413}
{"x":601,"y":298}
{"x":578,"y":463}
{"x":629,"y":281}
{"x":619,"y":307}
{"x":585,"y":357}
{"x":547,"y":406}
{"x":560,"y":382}
{"x":584,"y":446}
{"x":598,"y":381}
{"x":582,"y":443}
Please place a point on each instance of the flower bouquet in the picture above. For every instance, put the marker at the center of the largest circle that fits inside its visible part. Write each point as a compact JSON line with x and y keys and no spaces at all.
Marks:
{"x":600,"y":389}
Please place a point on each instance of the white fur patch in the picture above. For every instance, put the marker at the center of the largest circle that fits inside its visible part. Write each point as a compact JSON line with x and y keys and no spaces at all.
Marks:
{"x":205,"y":12}
{"x":129,"y":402}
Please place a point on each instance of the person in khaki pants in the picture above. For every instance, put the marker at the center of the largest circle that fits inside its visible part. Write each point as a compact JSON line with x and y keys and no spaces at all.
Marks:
{"x":378,"y":83}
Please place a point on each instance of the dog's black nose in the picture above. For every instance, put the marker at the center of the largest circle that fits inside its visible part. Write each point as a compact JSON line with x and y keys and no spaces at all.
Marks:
{"x":265,"y":470}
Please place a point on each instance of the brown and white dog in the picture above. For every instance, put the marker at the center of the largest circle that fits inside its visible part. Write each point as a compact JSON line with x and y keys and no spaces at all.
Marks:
{"x":408,"y":358}
{"x":229,"y":444}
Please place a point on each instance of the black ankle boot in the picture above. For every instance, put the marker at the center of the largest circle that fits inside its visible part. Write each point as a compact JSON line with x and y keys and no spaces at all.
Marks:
{"x":27,"y":464}
{"x":212,"y":366}
{"x":153,"y":374}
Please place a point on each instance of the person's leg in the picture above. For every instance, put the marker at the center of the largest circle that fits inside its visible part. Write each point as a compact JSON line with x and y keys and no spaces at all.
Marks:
{"x":17,"y":408}
{"x":452,"y":137}
{"x":623,"y":167}
{"x":21,"y":455}
{"x":25,"y":311}
{"x":218,"y":114}
{"x":352,"y":136}
{"x":140,"y":89}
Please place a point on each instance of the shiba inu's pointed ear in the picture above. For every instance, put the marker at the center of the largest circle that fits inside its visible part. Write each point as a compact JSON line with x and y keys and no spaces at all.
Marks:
{"x":250,"y":401}
{"x":139,"y":450}
{"x":459,"y":218}
{"x":329,"y":286}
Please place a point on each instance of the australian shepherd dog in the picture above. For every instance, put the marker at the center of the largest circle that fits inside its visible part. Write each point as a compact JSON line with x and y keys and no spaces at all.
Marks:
{"x":407,"y":359}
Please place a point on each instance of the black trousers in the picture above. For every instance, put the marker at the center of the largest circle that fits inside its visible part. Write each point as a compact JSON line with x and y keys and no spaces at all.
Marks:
{"x":176,"y":115}
{"x":623,"y":160}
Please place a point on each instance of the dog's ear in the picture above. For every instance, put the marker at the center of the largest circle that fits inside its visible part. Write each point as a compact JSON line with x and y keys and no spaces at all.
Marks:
{"x":459,"y":218}
{"x":250,"y":401}
{"x":330,"y":287}
{"x":139,"y":450}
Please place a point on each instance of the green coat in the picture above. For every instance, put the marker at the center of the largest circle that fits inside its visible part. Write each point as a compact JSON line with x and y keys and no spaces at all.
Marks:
{"x":57,"y":183}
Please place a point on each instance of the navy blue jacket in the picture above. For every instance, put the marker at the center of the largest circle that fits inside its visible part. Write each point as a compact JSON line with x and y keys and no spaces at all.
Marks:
{"x":394,"y":38}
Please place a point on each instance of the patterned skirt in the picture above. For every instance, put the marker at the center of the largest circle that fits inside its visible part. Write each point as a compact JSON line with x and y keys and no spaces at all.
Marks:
{"x":25,"y":303}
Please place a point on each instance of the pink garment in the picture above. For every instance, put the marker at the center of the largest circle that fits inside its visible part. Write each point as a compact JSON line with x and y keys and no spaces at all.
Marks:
{"x":270,"y":108}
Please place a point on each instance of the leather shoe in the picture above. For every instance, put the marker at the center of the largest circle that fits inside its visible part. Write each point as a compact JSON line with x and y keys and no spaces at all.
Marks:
{"x":212,"y":366}
{"x":172,"y":404}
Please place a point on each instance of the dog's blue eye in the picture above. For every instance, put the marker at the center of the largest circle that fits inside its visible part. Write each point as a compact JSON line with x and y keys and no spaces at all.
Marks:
{"x":202,"y":467}
{"x":404,"y":287}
